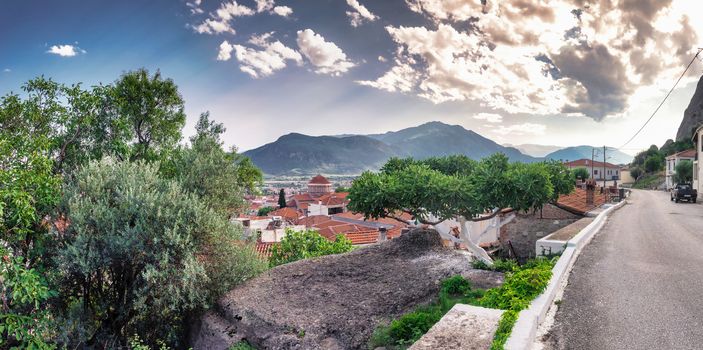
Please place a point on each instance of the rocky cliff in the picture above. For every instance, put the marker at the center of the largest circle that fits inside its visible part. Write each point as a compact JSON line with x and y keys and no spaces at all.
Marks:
{"x":693,"y":116}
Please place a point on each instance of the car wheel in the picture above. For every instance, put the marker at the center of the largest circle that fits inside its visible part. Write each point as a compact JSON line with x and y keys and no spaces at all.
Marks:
{"x":672,"y":198}
{"x":676,"y":200}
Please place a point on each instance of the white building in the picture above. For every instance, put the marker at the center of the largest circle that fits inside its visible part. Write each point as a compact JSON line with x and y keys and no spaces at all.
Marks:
{"x":698,"y":147}
{"x":596,"y":170}
{"x":672,"y":161}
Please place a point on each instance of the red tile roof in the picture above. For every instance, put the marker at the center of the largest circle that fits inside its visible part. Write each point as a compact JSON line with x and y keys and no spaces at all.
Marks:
{"x":313,"y":220}
{"x":689,"y":153}
{"x":576,"y":201}
{"x":288,"y":214}
{"x":264,"y":249}
{"x":319,"y":180}
{"x":333,"y":199}
{"x":588,"y":163}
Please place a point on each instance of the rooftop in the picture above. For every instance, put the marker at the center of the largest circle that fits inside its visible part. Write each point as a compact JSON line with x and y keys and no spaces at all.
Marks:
{"x":588,"y":163}
{"x":319,"y":180}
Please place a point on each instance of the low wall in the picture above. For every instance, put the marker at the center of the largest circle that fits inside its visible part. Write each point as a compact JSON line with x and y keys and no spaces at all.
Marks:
{"x":525,"y":329}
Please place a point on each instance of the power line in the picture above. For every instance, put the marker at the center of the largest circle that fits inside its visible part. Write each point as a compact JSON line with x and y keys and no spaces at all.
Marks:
{"x":664,"y":100}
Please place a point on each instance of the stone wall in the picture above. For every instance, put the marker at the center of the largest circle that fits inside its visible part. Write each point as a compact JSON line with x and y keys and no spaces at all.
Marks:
{"x":524,"y":231}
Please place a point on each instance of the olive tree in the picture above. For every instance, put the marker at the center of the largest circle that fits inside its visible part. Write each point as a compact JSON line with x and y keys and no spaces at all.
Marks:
{"x":457,"y":188}
{"x":140,"y":253}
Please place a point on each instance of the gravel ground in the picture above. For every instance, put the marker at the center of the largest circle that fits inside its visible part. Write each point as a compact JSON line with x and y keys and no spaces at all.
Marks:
{"x":639,"y":283}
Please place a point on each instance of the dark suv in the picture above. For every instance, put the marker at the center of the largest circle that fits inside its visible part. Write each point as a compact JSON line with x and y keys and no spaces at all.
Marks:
{"x":684,"y":192}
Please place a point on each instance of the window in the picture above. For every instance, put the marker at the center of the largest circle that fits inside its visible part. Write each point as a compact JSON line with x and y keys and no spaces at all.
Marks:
{"x":595,"y":172}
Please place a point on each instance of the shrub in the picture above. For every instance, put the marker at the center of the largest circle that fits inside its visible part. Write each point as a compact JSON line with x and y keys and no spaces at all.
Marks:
{"x":140,"y":254}
{"x":298,"y":245}
{"x":264,"y":211}
{"x":409,"y":328}
{"x":581,"y":174}
{"x":500,"y":265}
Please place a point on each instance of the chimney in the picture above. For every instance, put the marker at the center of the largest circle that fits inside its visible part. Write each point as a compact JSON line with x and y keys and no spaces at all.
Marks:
{"x":382,"y":234}
{"x":590,"y":191}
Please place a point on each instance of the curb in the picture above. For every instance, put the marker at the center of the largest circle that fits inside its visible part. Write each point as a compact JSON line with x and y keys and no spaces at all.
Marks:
{"x":525,"y":328}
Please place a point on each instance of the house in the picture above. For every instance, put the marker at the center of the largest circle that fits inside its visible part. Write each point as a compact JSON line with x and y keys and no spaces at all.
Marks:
{"x":698,"y":147}
{"x":320,"y":199}
{"x":672,"y":161}
{"x":597,"y":170}
{"x":626,"y":175}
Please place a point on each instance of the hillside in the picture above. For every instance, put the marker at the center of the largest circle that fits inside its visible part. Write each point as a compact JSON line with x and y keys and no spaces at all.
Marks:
{"x":352,"y":154}
{"x":693,"y":115}
{"x":439,"y":139}
{"x":581,"y":152}
{"x":302,"y":154}
{"x":535,"y":150}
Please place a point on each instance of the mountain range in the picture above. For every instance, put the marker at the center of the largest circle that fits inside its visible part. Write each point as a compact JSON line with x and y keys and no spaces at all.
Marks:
{"x":298,"y":154}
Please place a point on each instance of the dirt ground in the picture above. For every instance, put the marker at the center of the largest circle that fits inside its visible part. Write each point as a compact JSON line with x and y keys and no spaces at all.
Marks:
{"x":336,"y":302}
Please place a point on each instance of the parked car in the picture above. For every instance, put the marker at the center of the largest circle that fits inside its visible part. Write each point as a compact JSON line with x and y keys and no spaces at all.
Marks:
{"x":684,"y":192}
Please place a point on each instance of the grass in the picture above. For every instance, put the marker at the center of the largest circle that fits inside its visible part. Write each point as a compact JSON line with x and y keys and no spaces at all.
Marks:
{"x":241,"y":345}
{"x":648,"y":181}
{"x":522,"y":284}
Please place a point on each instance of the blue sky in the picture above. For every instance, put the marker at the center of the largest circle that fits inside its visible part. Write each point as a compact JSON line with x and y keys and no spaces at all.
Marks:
{"x":517,"y":72}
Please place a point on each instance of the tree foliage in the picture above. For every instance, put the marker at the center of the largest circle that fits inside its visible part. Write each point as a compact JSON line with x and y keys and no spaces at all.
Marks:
{"x":684,"y":172}
{"x":140,"y":253}
{"x":581,"y":174}
{"x":454,"y":186}
{"x":298,"y":245}
{"x":282,"y":199}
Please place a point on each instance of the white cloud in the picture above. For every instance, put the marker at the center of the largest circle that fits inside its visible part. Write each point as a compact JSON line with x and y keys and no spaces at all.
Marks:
{"x":225,"y":51}
{"x":521,"y":129}
{"x":263,"y":62}
{"x":7,"y":70}
{"x":489,"y":117}
{"x":195,"y":7}
{"x":220,"y":21}
{"x":65,"y":50}
{"x":359,"y":13}
{"x":283,"y":11}
{"x":543,"y":57}
{"x":326,"y":56}
{"x":264,"y":5}
{"x":382,"y":59}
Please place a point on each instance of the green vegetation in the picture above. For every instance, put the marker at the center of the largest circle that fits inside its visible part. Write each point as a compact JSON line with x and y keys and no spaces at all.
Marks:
{"x":242,"y":345}
{"x":522,"y":284}
{"x":498,"y":265}
{"x":581,"y":174}
{"x":298,"y":245}
{"x":648,"y":163}
{"x":684,"y":172}
{"x":264,"y":211}
{"x":111,"y":231}
{"x":282,"y":199}
{"x":456,"y":186}
{"x":649,"y":181}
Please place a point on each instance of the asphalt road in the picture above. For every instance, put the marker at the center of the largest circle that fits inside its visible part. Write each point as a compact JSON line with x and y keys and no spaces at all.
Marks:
{"x":639,"y":283}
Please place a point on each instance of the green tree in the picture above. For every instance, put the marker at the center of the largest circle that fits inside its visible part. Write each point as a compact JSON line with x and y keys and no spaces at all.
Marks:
{"x":298,"y":245}
{"x":264,"y":211}
{"x":684,"y":172}
{"x":217,"y":177}
{"x":282,"y":198}
{"x":457,"y":188}
{"x":581,"y":174}
{"x":635,"y":172}
{"x":654,"y":163}
{"x":140,"y":254}
{"x":153,"y":108}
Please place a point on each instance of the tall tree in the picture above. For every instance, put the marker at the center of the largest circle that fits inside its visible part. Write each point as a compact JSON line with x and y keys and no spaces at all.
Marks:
{"x":153,"y":107}
{"x":282,"y":198}
{"x":218,"y":177}
{"x":684,"y":172}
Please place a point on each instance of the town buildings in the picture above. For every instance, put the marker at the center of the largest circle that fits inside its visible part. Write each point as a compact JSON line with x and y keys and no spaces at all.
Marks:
{"x":698,"y":147}
{"x":672,"y":161}
{"x":597,"y":170}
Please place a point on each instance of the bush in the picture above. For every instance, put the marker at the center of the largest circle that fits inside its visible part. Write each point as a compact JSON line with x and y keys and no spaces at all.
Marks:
{"x":500,"y":265}
{"x":140,"y":254}
{"x":654,"y":164}
{"x":581,"y":174}
{"x":298,"y":245}
{"x":264,"y":211}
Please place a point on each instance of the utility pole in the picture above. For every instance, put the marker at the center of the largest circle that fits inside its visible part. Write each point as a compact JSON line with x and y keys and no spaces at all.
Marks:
{"x":593,"y":155}
{"x":604,"y":179}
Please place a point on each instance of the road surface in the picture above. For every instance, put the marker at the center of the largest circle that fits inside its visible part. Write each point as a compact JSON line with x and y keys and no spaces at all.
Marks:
{"x":639,"y":283}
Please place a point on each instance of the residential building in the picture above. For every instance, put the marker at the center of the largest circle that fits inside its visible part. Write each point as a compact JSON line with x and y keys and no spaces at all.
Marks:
{"x":672,"y":161}
{"x":597,"y":170}
{"x":698,"y":147}
{"x":626,"y":175}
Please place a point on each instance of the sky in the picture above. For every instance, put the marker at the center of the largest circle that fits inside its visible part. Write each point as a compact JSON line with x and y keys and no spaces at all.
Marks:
{"x":562,"y":72}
